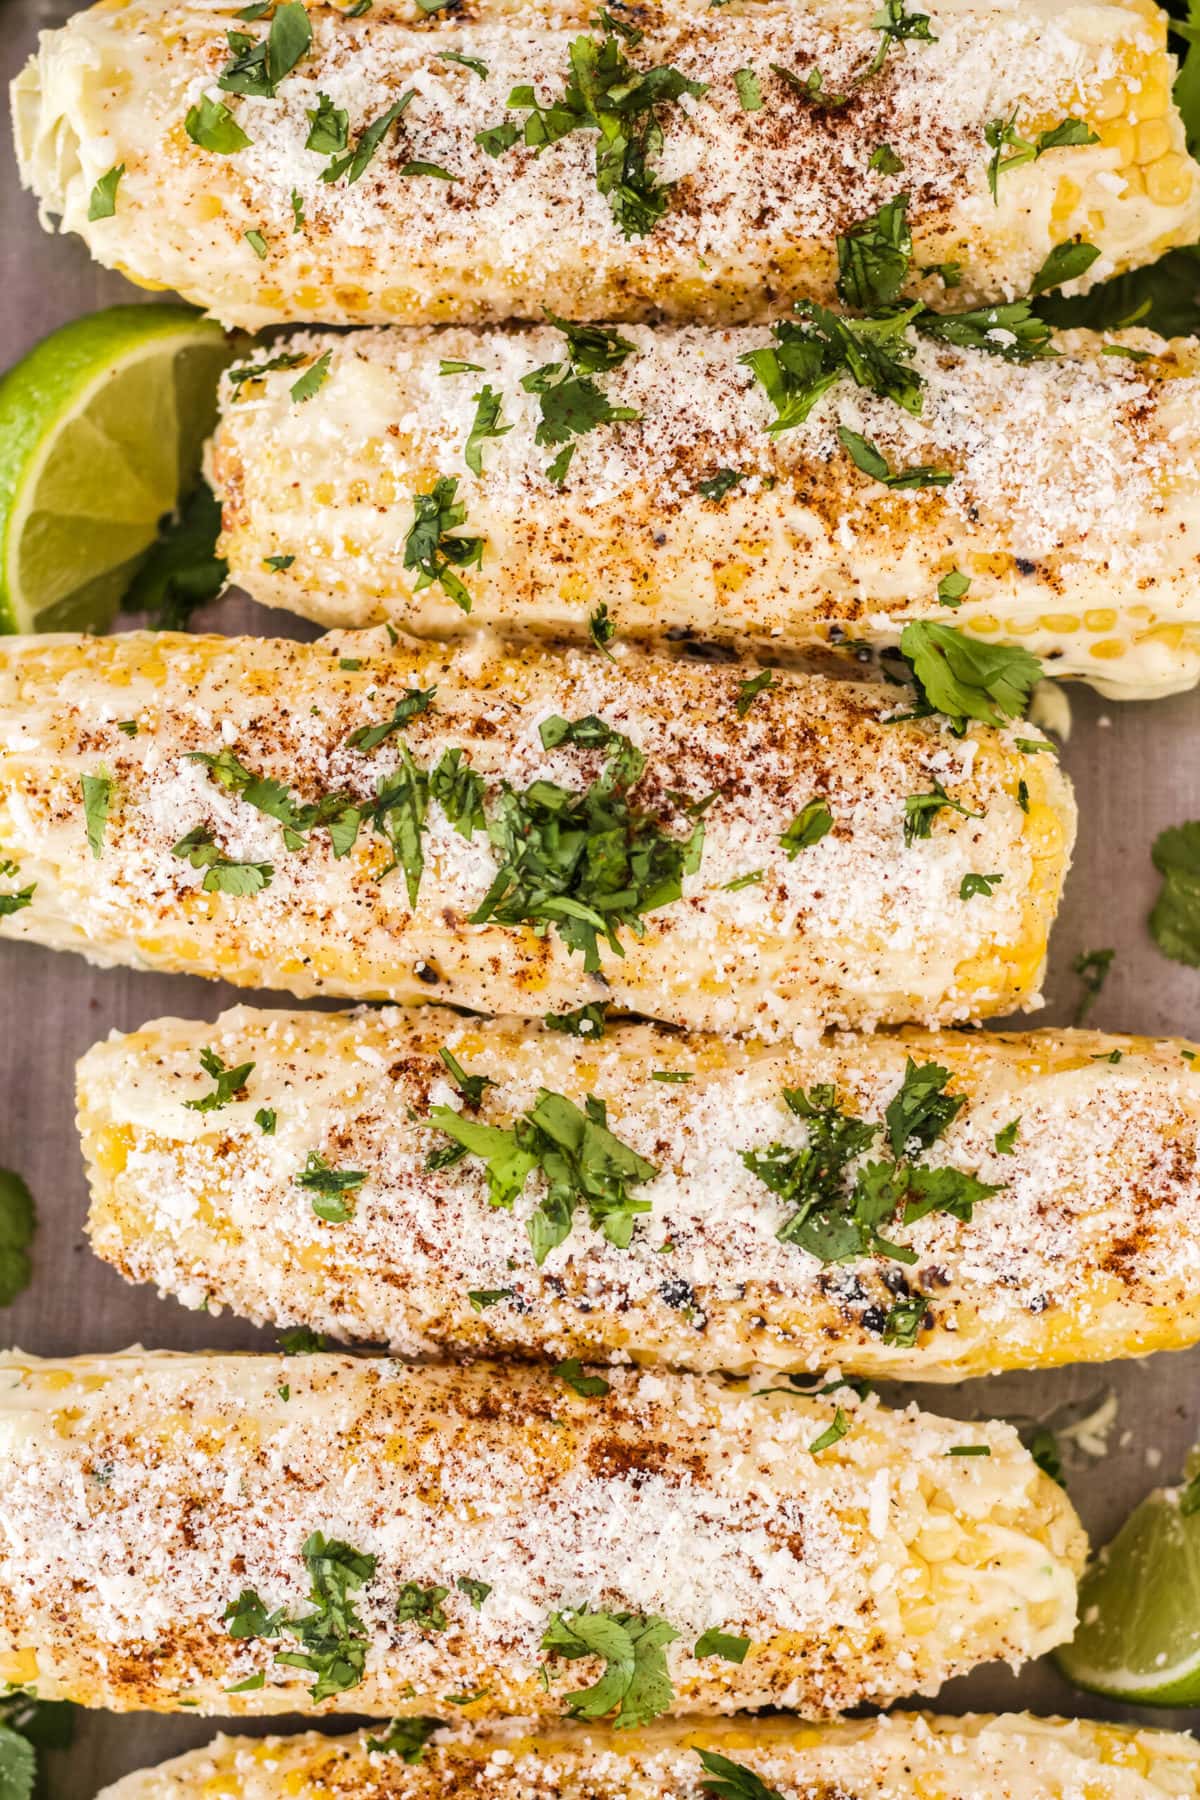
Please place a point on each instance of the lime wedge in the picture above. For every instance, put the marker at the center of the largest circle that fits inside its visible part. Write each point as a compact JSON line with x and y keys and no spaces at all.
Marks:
{"x":101,"y":430}
{"x":1139,"y":1610}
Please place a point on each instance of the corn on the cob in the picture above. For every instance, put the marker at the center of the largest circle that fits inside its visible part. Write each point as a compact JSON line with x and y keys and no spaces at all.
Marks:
{"x":914,"y":1755}
{"x":1074,"y":512}
{"x":722,"y":203}
{"x":227,"y":866}
{"x":1083,"y":1250}
{"x":167,"y":1517}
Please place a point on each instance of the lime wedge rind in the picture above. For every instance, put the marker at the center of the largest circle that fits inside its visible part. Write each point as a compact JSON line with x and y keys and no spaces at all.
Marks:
{"x":101,"y":429}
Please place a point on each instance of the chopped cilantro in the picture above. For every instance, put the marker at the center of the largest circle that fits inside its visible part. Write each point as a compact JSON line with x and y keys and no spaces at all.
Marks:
{"x":1023,"y":795}
{"x":1092,"y":968}
{"x":833,"y":1433}
{"x":278,"y":563}
{"x":266,"y":1118}
{"x":19,"y":898}
{"x":601,"y":628}
{"x":672,"y":1075}
{"x":327,"y":1187}
{"x":604,"y":92}
{"x":570,"y":402}
{"x":585,"y":863}
{"x":459,"y":791}
{"x":405,"y":1738}
{"x":819,"y":347}
{"x":336,"y":813}
{"x":1066,"y":262}
{"x":885,"y":160}
{"x":572,"y":1373}
{"x":952,"y":588}
{"x":211,"y":125}
{"x":978,"y":884}
{"x":222,"y":875}
{"x":18,"y":1222}
{"x":411,"y":705}
{"x":585,"y":1022}
{"x":581,"y":1160}
{"x":969,"y":1450}
{"x":355,"y":161}
{"x":874,"y":256}
{"x":328,"y":127}
{"x":749,"y":90}
{"x":103,"y":202}
{"x":635,"y":1686}
{"x":97,"y":796}
{"x":410,"y":169}
{"x":1009,"y":329}
{"x":904,"y":1321}
{"x":723,"y":1644}
{"x":467,"y":62}
{"x":313,"y":378}
{"x":434,"y":550}
{"x":752,"y":879}
{"x":749,"y":690}
{"x":422,"y":1607}
{"x":1175,"y":920}
{"x":1007,"y":1137}
{"x":811,"y":824}
{"x":259,"y":65}
{"x":1002,"y":135}
{"x":920,"y":810}
{"x":301,"y":1342}
{"x":334,"y":1638}
{"x":476,"y":1591}
{"x":482,"y":1298}
{"x":964,"y":678}
{"x":867,"y":456}
{"x":731,"y":1780}
{"x":922,"y":1110}
{"x":471,"y":1087}
{"x":723,"y":482}
{"x":1043,"y":1447}
{"x":229,"y":1082}
{"x":486,"y":424}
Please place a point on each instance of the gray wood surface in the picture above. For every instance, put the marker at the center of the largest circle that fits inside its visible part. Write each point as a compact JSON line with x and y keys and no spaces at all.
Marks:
{"x":1135,"y":770}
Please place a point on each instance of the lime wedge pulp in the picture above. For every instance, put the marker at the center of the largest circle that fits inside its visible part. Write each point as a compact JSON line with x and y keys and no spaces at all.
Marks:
{"x":1139,"y":1610}
{"x":101,"y":429}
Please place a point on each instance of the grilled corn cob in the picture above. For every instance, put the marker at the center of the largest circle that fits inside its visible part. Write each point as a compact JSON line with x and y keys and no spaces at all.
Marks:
{"x":166,"y":1518}
{"x":922,"y":1758}
{"x":1080,"y":1247}
{"x":715,"y":190}
{"x":821,"y":852}
{"x":1072,"y":521}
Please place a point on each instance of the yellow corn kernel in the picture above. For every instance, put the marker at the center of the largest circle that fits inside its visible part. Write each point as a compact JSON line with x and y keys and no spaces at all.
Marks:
{"x":1100,"y":618}
{"x":1170,"y":180}
{"x":209,"y":206}
{"x":985,"y":625}
{"x":1121,"y":137}
{"x":1110,"y":103}
{"x":1108,"y":650}
{"x":1061,"y":624}
{"x":1153,"y":140}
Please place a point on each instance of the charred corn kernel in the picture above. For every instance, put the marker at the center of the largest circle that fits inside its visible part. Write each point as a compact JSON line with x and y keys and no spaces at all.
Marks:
{"x":859,"y":926}
{"x":382,"y":249}
{"x":1081,"y":499}
{"x":441,"y":1478}
{"x":875,"y":1759}
{"x":1099,"y":1155}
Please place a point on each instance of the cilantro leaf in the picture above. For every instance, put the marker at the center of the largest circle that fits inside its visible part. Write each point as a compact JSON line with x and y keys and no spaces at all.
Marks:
{"x":459,"y":791}
{"x":904,"y":1321}
{"x":1009,"y":329}
{"x":581,"y":1160}
{"x":19,"y":898}
{"x":723,"y":482}
{"x":922,"y":1110}
{"x":635,"y":1686}
{"x":920,"y":810}
{"x":259,"y":66}
{"x":313,"y":378}
{"x":1092,"y":967}
{"x":422,"y":1607}
{"x":978,"y":884}
{"x":247,"y":1617}
{"x":471,"y":1087}
{"x":1006,"y":1137}
{"x":434,"y":550}
{"x":749,"y":90}
{"x":97,"y":794}
{"x":1002,"y":135}
{"x":18,"y":1765}
{"x":810,"y":825}
{"x":327,"y":1186}
{"x":476,"y":1591}
{"x":1066,"y":262}
{"x":723,"y":1644}
{"x":181,"y":571}
{"x":867,"y":456}
{"x":354,"y":162}
{"x":819,"y":347}
{"x":411,"y":705}
{"x":212,"y":126}
{"x":1175,"y":920}
{"x":337,"y":813}
{"x":486,"y":424}
{"x":874,"y":257}
{"x":585,"y":1022}
{"x":586,"y":863}
{"x":103,"y":201}
{"x":333,"y":1635}
{"x":733,"y":1781}
{"x":328,"y":127}
{"x":751,"y":688}
{"x":221,"y":874}
{"x":588,"y":1387}
{"x":228,"y":1083}
{"x":605,"y":93}
{"x":18,"y":1222}
{"x":405,"y":1738}
{"x":601,"y":629}
{"x":833,"y":1433}
{"x":965,"y":678}
{"x":482,"y":1298}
